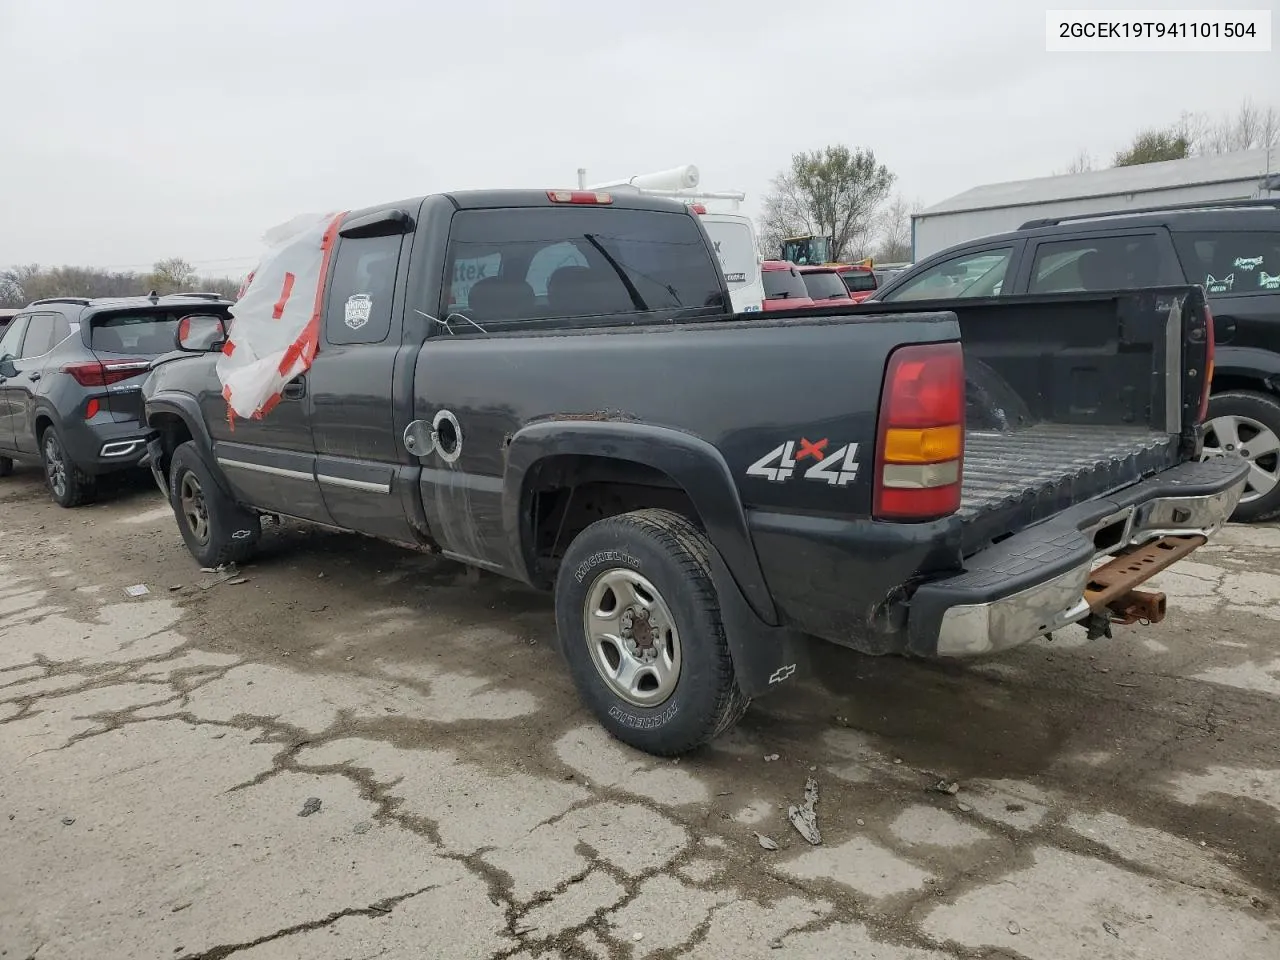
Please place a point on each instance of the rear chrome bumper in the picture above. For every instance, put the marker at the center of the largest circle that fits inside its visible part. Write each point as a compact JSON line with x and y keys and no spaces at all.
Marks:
{"x":1035,"y":582}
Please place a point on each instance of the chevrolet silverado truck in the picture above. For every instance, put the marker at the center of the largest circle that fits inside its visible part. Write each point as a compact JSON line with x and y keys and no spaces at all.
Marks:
{"x":549,"y":385}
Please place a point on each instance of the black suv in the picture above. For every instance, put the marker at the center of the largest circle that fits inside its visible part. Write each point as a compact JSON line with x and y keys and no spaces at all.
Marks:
{"x":1231,"y":248}
{"x":71,"y":373}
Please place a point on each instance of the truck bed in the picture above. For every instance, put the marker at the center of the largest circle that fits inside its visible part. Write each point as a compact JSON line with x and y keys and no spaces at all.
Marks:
{"x":1017,"y":477}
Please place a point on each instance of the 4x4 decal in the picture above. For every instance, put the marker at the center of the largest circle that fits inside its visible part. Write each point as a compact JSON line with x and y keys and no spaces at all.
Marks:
{"x":837,"y":468}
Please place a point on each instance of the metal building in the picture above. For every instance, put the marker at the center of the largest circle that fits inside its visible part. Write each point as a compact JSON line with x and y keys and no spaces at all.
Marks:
{"x":1000,"y":207}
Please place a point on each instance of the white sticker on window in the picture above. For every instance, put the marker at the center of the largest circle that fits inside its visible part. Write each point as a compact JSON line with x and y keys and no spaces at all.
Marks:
{"x":356,"y":312}
{"x":1220,"y":286}
{"x":1267,"y":282}
{"x":1247,"y":263}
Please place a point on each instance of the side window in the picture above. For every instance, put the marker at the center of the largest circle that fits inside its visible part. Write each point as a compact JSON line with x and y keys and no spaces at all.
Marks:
{"x":47,"y":330}
{"x":978,"y":274}
{"x":11,"y":342}
{"x":361,"y":289}
{"x":1235,"y":263}
{"x":1096,"y":263}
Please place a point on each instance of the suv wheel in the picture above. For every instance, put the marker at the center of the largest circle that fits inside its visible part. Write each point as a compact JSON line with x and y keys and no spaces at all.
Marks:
{"x":639,"y":625}
{"x":1246,"y":424}
{"x":217,"y":530}
{"x":69,"y":486}
{"x":6,"y":466}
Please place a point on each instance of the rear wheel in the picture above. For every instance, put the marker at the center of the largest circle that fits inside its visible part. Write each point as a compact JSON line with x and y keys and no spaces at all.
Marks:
{"x":6,"y":466}
{"x":1246,"y":424}
{"x":216,"y":529}
{"x":640,"y":627}
{"x":69,"y":486}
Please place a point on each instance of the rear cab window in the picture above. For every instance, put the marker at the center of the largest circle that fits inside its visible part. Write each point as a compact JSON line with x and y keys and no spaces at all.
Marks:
{"x":1231,"y":263}
{"x":784,"y":285}
{"x":518,"y":265}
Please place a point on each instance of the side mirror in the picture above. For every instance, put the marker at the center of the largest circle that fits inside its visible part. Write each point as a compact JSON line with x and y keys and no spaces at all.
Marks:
{"x":7,"y":369}
{"x":200,"y":333}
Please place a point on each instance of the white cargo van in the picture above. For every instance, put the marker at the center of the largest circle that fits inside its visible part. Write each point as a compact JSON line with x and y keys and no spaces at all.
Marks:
{"x":734,"y":237}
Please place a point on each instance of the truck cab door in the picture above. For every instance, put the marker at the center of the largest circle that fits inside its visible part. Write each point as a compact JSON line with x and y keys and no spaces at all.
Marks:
{"x":364,"y":475}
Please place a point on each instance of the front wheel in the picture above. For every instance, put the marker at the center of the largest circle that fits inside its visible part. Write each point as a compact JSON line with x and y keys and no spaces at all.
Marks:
{"x":6,"y":466}
{"x":1246,"y":424}
{"x":640,"y":627}
{"x":69,"y":486}
{"x":216,"y":529}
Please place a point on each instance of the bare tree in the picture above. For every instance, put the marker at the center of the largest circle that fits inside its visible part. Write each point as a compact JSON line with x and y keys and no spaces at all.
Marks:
{"x":832,"y":192}
{"x":1082,"y":162}
{"x":1250,"y":128}
{"x":895,"y":230}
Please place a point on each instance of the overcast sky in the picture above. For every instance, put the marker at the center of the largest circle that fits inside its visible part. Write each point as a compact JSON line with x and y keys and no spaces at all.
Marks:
{"x":142,"y":129}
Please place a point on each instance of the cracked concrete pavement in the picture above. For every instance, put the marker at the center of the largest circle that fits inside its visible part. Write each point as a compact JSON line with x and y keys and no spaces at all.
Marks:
{"x":1117,"y":799}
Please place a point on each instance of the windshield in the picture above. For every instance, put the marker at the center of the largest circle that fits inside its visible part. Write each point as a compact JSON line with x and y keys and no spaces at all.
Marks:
{"x":804,"y":250}
{"x":736,"y":248}
{"x":784,"y":285}
{"x":825,"y":285}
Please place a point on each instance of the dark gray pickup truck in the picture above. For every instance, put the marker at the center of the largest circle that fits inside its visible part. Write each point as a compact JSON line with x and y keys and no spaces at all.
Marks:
{"x":547,"y":385}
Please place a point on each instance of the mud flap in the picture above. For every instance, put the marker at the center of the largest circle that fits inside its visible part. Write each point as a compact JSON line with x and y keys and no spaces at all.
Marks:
{"x":764,"y":656}
{"x":153,"y":459}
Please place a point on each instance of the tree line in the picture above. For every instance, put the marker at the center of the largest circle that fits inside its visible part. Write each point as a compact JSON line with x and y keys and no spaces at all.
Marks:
{"x":21,"y":285}
{"x":1249,"y":127}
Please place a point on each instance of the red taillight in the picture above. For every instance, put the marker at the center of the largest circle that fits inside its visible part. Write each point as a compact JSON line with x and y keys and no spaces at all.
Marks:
{"x":920,"y":446}
{"x":578,"y":196}
{"x":1208,"y":363}
{"x":698,"y":207}
{"x":92,"y":408}
{"x":95,"y":374}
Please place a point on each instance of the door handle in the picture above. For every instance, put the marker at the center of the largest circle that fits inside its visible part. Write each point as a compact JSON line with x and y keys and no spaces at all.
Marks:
{"x":295,"y":389}
{"x":33,"y":376}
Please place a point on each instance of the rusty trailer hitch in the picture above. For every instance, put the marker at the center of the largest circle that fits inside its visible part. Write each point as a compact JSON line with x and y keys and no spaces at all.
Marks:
{"x":1113,"y":586}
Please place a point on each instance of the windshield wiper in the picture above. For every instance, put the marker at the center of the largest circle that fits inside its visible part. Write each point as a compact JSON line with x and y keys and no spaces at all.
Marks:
{"x":637,"y":301}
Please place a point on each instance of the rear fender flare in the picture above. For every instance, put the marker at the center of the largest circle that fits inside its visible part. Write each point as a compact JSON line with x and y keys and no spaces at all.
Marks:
{"x":690,"y":461}
{"x":185,"y":408}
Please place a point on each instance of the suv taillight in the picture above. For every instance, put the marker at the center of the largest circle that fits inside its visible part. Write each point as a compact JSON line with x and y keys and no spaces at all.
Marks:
{"x":920,"y":446}
{"x":1208,"y":363}
{"x":93,"y":373}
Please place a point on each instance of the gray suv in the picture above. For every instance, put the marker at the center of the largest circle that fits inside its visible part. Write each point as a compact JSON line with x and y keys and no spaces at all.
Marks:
{"x":71,"y":373}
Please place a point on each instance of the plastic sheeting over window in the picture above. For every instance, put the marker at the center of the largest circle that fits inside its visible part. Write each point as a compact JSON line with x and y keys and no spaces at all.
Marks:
{"x":276,"y":321}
